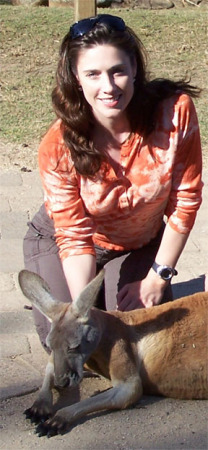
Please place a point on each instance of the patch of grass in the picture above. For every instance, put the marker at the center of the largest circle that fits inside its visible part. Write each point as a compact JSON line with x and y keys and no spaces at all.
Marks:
{"x":30,"y":41}
{"x":175,"y":40}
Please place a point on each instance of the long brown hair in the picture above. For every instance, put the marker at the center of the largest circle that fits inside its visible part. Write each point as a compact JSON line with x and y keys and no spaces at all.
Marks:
{"x":75,"y":113}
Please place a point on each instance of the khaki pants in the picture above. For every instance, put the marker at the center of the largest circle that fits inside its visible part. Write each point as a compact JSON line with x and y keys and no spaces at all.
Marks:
{"x":41,"y":256}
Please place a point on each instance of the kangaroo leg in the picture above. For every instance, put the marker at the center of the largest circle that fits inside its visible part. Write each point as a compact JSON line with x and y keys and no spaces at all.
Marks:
{"x":42,"y":407}
{"x":119,"y":397}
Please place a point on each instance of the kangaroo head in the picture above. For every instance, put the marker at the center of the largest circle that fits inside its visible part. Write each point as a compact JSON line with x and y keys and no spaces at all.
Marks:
{"x":73,"y":335}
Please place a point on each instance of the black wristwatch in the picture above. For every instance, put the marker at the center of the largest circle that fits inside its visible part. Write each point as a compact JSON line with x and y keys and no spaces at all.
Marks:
{"x":164,"y":272}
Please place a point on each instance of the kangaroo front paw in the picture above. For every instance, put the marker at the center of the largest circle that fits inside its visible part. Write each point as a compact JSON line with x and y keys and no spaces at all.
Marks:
{"x":38,"y":413}
{"x":52,"y":427}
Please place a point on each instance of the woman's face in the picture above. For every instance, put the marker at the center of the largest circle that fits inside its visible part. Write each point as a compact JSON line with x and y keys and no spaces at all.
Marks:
{"x":106,"y":76}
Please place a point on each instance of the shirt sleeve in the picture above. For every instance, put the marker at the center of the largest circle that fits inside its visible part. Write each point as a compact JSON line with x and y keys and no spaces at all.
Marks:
{"x":73,"y":227}
{"x":186,"y":192}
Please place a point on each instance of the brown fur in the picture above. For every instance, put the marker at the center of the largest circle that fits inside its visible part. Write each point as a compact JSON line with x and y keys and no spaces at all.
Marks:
{"x":160,"y":350}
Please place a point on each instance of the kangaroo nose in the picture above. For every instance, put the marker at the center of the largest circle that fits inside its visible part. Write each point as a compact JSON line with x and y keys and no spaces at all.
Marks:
{"x":62,"y":381}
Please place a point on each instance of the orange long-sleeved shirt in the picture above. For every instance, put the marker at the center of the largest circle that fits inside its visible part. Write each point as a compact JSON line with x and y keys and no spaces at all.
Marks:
{"x":123,"y":211}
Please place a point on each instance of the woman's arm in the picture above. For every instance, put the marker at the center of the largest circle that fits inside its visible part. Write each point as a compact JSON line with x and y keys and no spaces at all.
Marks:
{"x":171,"y":247}
{"x":149,"y":291}
{"x":79,"y":270}
{"x":183,"y":202}
{"x":72,"y":225}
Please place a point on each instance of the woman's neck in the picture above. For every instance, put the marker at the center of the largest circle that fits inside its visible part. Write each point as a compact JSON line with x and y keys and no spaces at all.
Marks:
{"x":109,"y":140}
{"x":111,"y":136}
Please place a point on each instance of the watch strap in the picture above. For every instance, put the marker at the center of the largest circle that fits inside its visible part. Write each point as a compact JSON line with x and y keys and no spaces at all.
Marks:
{"x":156,"y":267}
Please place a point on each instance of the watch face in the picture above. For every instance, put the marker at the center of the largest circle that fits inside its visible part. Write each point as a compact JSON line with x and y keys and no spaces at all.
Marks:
{"x":166,"y":273}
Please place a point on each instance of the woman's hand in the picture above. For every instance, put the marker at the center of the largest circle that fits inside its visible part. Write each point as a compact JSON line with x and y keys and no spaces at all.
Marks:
{"x":141,"y":294}
{"x":149,"y":291}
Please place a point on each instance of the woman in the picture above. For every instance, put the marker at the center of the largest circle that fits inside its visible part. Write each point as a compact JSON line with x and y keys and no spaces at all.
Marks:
{"x":123,"y":154}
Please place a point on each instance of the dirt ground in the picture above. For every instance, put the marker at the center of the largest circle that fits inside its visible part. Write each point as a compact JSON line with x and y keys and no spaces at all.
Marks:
{"x":154,"y":423}
{"x":18,"y":156}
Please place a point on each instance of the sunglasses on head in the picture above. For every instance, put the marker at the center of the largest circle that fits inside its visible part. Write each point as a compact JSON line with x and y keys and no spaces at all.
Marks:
{"x":82,"y":27}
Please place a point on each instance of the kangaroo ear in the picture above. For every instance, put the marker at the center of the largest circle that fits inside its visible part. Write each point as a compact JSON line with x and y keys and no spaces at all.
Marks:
{"x":87,"y":298}
{"x":38,"y":292}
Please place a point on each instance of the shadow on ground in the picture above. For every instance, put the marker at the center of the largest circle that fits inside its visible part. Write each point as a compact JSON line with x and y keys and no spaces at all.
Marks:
{"x":188,"y":287}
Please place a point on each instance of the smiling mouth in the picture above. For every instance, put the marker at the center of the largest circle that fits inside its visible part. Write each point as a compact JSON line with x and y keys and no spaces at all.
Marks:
{"x":112,"y":101}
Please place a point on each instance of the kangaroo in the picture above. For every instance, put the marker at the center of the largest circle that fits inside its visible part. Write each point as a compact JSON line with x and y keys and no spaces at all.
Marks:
{"x":158,"y":351}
